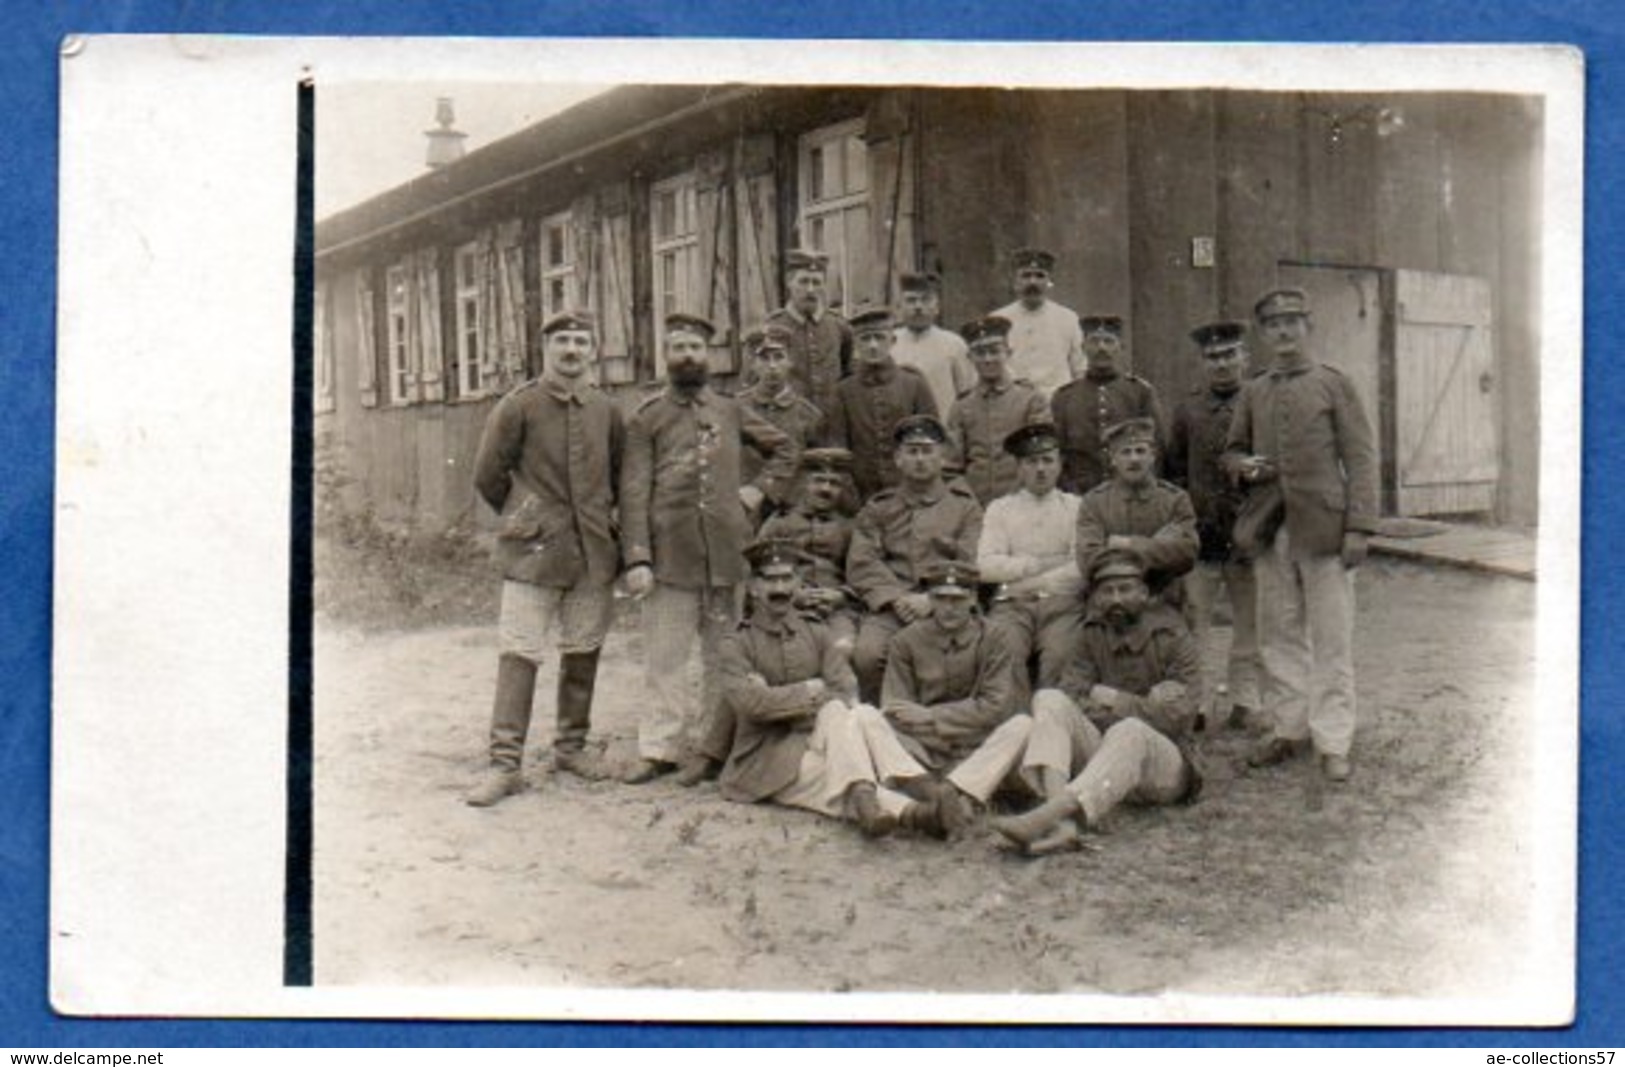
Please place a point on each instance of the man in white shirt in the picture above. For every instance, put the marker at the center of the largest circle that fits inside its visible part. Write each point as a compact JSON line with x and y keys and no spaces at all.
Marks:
{"x":938,"y":354}
{"x":1026,"y":549}
{"x":1046,"y":342}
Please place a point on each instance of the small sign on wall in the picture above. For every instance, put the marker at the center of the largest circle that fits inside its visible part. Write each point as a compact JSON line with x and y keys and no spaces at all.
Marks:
{"x":1202,"y":252}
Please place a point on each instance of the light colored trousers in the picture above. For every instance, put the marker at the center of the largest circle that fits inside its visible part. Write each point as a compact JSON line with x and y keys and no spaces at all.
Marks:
{"x":985,"y":769}
{"x":1306,"y":630}
{"x":529,"y":613}
{"x":1130,"y":762}
{"x":849,"y":745}
{"x":1244,"y":663}
{"x":672,"y":725}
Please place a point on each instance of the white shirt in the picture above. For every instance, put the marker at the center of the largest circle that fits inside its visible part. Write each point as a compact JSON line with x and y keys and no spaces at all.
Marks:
{"x":1020,"y":528}
{"x":1046,"y":346}
{"x":942,"y":356}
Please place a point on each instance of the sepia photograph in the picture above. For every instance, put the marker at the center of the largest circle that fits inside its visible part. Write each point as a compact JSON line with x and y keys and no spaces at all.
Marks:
{"x":872,"y":531}
{"x":849,"y":538}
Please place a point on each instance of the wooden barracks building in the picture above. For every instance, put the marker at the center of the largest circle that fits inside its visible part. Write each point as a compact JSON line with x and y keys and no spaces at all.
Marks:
{"x":1413,"y":220}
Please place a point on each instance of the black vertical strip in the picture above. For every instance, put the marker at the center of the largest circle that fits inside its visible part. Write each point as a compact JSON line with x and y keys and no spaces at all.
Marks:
{"x":296,"y":931}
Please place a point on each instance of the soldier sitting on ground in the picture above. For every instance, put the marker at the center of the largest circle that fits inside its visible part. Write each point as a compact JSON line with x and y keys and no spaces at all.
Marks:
{"x":1116,"y":728}
{"x":795,"y":734}
{"x":950,"y":694}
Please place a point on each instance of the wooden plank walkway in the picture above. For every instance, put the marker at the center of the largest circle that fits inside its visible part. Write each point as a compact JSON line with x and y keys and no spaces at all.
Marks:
{"x":1490,"y":549}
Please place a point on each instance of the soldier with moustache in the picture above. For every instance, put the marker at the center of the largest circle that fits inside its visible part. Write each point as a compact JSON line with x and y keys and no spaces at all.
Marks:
{"x":774,"y":396}
{"x":798,"y":736}
{"x":684,"y":527}
{"x":547,"y":464}
{"x":937,"y":353}
{"x":1046,"y":345}
{"x":820,"y":340}
{"x":818,"y":528}
{"x":1104,"y":396}
{"x":1117,"y":728}
{"x":1135,"y":509}
{"x":1194,"y":461}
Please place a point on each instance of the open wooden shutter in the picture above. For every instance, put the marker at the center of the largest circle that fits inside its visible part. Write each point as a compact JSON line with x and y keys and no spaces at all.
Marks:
{"x":366,"y":339}
{"x":321,"y":356}
{"x":714,"y":280}
{"x":430,"y":353}
{"x":1447,"y":400}
{"x":614,"y":287}
{"x":756,"y":235}
{"x":891,"y":192}
{"x":509,"y":361}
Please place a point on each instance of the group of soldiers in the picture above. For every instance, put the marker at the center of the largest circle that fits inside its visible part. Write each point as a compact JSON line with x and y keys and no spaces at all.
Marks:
{"x":924,"y":567}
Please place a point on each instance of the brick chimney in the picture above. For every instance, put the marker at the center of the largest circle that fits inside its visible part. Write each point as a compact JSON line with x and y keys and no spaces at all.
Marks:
{"x":445,"y":142}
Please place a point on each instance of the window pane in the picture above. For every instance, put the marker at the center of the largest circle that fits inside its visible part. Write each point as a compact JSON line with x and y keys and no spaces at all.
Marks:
{"x":815,"y":234}
{"x":555,"y":296}
{"x":815,"y":170}
{"x":859,"y":256}
{"x":665,"y":214}
{"x":857,"y":165}
{"x":832,"y":183}
{"x":555,"y":246}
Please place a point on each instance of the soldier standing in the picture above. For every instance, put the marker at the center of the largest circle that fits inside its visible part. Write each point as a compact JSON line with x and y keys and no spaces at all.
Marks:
{"x":1103,"y":397}
{"x":900,"y":531}
{"x":988,"y":412}
{"x":1045,"y":341}
{"x":937,"y":353}
{"x":1196,"y":437}
{"x":547,"y":463}
{"x":1302,"y":427}
{"x":820,"y":341}
{"x":683,"y":515}
{"x":774,"y":397}
{"x":869,"y":404}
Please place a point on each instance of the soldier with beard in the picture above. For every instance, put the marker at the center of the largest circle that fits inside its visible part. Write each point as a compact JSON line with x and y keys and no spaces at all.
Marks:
{"x":1116,"y":728}
{"x":684,"y":527}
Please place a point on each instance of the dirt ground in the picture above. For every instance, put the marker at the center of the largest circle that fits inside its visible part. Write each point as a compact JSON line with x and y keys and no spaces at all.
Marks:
{"x":1401,"y":882}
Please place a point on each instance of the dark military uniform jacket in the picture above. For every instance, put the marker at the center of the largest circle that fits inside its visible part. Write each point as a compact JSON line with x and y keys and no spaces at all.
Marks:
{"x":897,"y":533}
{"x":1308,"y":419}
{"x":548,"y":463}
{"x":1157,"y":648}
{"x":820,"y":353}
{"x":773,"y":713}
{"x":1196,"y":438}
{"x":1083,"y":409}
{"x":966,"y":678}
{"x":1157,"y":515}
{"x":826,"y":538}
{"x":867,"y":407}
{"x":795,"y":415}
{"x":982,"y":417}
{"x":680,"y":508}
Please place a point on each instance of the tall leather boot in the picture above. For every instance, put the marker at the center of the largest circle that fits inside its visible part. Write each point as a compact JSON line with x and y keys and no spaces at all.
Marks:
{"x":578,"y":673}
{"x":510,"y":722}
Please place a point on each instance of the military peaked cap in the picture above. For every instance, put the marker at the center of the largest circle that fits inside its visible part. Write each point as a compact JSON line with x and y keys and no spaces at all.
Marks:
{"x":805,"y":259}
{"x":1032,"y":259}
{"x":770,"y":552}
{"x":924,"y":282}
{"x":919,"y":428}
{"x":949,"y":577}
{"x":1130,"y":431}
{"x":768,"y":335}
{"x":874,"y":319}
{"x":1101,"y":324}
{"x":1279,"y":302}
{"x":683,"y":322}
{"x":1032,"y":439}
{"x":1219,"y":336}
{"x":569,"y":320}
{"x":986,"y":328}
{"x":826,"y":460}
{"x":1115,"y":563}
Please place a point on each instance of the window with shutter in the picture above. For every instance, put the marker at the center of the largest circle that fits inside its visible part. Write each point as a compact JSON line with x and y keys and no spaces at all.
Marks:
{"x":473,"y":290}
{"x":674,"y":229}
{"x":834,"y":211}
{"x":615,"y":363}
{"x":399,"y":332}
{"x":366,"y":333}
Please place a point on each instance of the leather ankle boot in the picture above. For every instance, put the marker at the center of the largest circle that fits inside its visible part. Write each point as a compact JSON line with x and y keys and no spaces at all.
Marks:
{"x":578,"y":673}
{"x":510,"y":722}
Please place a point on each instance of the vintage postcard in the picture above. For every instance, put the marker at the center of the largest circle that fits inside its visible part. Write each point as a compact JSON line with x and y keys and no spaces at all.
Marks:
{"x":751,"y":530}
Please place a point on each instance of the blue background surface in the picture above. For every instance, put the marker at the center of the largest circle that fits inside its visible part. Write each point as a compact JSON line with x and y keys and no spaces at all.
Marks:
{"x":28,"y":211}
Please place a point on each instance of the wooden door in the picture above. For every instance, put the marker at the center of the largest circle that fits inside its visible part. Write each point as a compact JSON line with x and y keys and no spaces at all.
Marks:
{"x":1447,"y":400}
